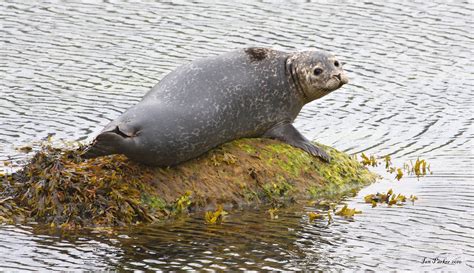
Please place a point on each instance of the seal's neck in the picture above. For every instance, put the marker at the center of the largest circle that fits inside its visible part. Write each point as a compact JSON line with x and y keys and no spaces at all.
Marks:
{"x":290,"y":70}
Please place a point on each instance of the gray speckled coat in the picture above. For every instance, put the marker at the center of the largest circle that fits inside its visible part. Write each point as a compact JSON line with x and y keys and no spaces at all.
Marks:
{"x":200,"y":105}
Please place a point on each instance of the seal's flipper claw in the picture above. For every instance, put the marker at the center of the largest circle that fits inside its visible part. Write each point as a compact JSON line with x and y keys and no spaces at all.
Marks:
{"x":317,"y":151}
{"x":288,"y":134}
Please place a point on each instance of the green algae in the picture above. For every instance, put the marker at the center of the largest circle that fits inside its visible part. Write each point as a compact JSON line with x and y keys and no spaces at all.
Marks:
{"x":345,"y":174}
{"x":58,"y":188}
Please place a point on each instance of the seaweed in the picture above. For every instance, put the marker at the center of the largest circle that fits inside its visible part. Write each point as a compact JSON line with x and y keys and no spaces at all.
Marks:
{"x":215,"y":217}
{"x":389,"y":198}
{"x":420,"y":168}
{"x":56,"y":187}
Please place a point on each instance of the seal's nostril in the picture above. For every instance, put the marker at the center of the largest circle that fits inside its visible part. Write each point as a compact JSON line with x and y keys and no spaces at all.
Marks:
{"x":338,"y":76}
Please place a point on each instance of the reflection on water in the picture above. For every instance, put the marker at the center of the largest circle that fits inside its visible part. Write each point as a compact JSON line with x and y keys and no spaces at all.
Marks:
{"x":70,"y":68}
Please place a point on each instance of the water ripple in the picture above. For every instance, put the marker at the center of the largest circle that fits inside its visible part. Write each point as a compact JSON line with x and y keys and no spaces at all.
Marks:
{"x":70,"y":68}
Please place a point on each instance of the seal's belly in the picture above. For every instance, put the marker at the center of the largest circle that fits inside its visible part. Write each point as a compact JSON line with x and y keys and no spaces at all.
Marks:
{"x":171,"y":135}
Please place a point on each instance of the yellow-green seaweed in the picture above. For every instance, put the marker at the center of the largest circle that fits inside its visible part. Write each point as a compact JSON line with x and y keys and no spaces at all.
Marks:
{"x":56,"y":187}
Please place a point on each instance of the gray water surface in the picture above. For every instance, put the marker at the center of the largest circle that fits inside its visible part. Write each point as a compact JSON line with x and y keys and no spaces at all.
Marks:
{"x":69,"y":68}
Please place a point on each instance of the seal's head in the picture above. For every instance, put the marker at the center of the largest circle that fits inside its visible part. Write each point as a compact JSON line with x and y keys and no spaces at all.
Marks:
{"x":315,"y":73}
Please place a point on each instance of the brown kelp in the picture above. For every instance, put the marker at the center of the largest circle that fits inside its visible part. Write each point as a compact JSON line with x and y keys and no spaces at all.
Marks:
{"x":420,"y":168}
{"x":58,"y":188}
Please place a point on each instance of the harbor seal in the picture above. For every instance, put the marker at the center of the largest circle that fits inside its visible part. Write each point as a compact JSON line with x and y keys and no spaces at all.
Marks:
{"x":252,"y":92}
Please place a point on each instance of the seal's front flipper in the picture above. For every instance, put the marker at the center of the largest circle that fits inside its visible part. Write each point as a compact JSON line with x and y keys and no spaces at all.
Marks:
{"x":287,"y":133}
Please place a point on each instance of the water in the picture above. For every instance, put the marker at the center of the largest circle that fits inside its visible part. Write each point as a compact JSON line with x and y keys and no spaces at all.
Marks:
{"x":69,"y":68}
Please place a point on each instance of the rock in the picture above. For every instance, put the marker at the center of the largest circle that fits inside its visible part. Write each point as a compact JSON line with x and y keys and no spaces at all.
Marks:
{"x":59,"y":188}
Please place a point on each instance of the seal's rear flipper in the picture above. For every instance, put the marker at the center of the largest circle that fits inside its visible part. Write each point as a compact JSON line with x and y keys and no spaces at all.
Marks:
{"x":106,"y":143}
{"x":102,"y":145}
{"x":287,"y":133}
{"x":93,"y":151}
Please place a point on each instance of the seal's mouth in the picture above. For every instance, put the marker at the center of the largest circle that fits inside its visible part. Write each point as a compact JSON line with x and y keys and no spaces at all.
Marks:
{"x":342,"y":79}
{"x":336,"y":82}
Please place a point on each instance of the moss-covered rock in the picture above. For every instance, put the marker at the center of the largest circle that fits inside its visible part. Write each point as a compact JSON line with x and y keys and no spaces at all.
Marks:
{"x":58,"y":188}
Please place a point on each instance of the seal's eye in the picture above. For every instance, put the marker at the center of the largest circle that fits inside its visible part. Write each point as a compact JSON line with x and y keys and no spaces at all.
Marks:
{"x":317,"y":71}
{"x":336,"y":64}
